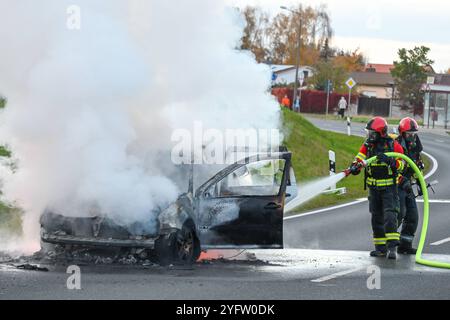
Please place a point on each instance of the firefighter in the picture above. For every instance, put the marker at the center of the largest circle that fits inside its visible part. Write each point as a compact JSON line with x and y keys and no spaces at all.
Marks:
{"x":409,"y":215}
{"x":381,"y":178}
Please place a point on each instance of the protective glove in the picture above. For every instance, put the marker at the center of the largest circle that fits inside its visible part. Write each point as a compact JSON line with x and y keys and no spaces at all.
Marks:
{"x":387,"y":160}
{"x":355,"y":168}
{"x":421,"y":165}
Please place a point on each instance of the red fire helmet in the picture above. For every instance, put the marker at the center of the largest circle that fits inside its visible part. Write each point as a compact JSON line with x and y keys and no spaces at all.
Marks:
{"x":408,"y":125}
{"x":379,"y":125}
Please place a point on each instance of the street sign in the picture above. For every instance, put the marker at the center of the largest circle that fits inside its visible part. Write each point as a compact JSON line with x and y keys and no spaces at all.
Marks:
{"x":350,"y":83}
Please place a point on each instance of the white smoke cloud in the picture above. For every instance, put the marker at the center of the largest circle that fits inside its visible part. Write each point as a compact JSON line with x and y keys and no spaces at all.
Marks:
{"x":91,"y":111}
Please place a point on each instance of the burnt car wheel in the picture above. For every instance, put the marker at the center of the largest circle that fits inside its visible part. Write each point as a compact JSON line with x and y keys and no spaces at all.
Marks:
{"x":48,"y":248}
{"x":179,"y":247}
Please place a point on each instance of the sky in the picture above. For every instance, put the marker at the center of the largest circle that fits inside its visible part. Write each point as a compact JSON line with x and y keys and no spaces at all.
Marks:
{"x":379,"y":28}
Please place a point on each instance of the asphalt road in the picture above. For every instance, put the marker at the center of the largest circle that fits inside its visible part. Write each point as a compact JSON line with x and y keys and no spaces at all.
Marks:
{"x":327,"y":258}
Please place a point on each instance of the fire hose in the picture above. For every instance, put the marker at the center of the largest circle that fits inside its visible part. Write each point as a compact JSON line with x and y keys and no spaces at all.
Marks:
{"x":426,"y":211}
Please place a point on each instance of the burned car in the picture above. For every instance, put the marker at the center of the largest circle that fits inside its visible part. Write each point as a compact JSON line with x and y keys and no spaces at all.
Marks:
{"x":239,"y":207}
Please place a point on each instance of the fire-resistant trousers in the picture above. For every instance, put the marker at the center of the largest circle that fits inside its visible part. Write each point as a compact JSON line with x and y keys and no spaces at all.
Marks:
{"x":384,"y":207}
{"x":409,"y":216}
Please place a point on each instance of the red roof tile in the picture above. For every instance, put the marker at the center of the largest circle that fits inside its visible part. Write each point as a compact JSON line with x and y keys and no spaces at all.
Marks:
{"x":380,"y":68}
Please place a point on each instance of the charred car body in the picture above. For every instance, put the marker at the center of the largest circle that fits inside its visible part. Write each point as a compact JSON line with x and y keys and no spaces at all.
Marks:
{"x":239,"y":207}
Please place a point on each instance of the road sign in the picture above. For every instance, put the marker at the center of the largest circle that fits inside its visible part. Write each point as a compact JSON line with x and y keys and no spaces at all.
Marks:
{"x":350,"y":83}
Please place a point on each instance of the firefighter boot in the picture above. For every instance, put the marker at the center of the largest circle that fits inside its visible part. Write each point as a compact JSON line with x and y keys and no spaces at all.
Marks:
{"x":406,"y":248}
{"x":380,"y":251}
{"x":392,"y":253}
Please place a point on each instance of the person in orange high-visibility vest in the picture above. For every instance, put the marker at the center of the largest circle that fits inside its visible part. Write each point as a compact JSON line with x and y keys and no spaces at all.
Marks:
{"x":286,"y":102}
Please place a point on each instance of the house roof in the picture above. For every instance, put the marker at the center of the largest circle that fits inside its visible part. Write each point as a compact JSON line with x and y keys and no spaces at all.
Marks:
{"x":442,"y":79}
{"x":379,"y":68}
{"x":283,"y":68}
{"x":373,"y":78}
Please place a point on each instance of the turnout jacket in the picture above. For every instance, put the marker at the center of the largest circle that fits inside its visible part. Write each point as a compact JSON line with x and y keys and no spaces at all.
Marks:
{"x":379,"y":174}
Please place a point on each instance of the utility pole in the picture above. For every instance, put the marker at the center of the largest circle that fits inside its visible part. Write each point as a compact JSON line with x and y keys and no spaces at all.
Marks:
{"x":298,"y":57}
{"x":428,"y":104}
{"x":328,"y":97}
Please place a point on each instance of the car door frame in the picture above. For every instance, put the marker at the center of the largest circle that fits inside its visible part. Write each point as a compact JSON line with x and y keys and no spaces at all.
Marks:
{"x":200,"y":193}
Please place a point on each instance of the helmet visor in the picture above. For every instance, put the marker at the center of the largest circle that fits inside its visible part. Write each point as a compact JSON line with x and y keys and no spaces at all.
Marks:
{"x":372,"y":135}
{"x":410,"y":136}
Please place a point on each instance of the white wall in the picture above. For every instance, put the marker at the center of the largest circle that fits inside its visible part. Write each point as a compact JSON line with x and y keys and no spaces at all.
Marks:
{"x":288,"y":76}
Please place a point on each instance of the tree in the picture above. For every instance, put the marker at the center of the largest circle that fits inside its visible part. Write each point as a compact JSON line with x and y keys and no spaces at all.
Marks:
{"x":327,"y":70}
{"x":255,"y":32}
{"x":316,"y":30}
{"x":448,"y":71}
{"x":337,"y":68}
{"x":276,"y":39}
{"x":4,"y":152}
{"x":350,"y":61}
{"x":2,"y":102}
{"x":409,"y":75}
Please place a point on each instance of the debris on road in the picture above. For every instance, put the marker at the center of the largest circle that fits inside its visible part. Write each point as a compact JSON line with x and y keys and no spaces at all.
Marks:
{"x":31,"y":267}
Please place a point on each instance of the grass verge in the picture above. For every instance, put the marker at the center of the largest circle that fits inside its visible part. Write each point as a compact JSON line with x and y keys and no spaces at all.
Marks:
{"x":10,"y":220}
{"x":310,"y":147}
{"x":360,"y":119}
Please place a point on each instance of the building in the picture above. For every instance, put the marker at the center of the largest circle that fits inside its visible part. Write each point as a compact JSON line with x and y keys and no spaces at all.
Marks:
{"x":374,"y":84}
{"x":375,"y":87}
{"x":285,"y":74}
{"x":437,"y":100}
{"x":379,"y":68}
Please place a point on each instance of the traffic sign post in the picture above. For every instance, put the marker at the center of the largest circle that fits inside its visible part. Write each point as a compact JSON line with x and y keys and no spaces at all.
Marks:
{"x":333,"y":189}
{"x":351,"y":83}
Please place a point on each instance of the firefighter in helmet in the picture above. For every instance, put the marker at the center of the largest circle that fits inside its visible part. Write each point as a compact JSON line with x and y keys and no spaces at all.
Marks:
{"x":409,"y":215}
{"x":381,"y":176}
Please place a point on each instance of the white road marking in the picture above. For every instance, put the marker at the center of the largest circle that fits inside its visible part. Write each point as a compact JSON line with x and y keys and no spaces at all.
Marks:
{"x":435,"y":165}
{"x":325,"y":210}
{"x":435,"y":201}
{"x":336,"y":275}
{"x":438,"y":243}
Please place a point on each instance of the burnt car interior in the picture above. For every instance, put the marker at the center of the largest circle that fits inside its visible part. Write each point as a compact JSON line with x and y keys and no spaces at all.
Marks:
{"x":262,"y":178}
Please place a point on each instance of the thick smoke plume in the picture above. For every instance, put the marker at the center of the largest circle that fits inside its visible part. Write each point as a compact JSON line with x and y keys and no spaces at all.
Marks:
{"x":91,"y":111}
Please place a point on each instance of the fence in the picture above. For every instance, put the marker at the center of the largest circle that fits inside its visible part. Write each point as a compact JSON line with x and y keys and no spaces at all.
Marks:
{"x":313,"y":101}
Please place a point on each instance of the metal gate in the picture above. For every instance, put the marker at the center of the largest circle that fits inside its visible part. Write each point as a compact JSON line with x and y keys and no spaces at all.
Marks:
{"x":374,"y":106}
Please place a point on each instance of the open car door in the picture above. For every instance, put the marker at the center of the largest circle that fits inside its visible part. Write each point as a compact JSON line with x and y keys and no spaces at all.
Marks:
{"x":242,"y":206}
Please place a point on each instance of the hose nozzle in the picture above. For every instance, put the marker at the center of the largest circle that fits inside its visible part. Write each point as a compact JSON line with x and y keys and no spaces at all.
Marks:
{"x":355,"y":168}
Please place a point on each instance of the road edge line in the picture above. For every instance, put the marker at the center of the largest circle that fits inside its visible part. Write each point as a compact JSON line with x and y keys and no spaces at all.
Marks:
{"x":326,"y":209}
{"x":435,"y":165}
